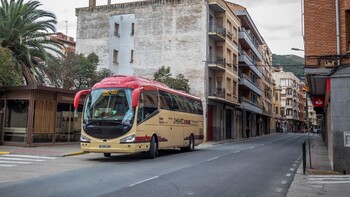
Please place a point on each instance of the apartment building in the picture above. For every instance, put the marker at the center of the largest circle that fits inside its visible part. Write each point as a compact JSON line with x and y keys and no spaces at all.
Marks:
{"x":255,"y":85}
{"x":327,"y":41}
{"x":197,"y":38}
{"x":292,"y":107}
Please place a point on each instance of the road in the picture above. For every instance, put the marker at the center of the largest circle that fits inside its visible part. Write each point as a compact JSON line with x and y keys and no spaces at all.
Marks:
{"x":262,"y":166}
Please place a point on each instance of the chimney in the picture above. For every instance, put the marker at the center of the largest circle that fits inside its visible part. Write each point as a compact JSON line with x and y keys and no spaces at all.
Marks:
{"x":92,"y":3}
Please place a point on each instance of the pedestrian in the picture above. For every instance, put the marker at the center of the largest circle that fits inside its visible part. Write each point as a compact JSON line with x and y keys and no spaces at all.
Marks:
{"x":247,"y":131}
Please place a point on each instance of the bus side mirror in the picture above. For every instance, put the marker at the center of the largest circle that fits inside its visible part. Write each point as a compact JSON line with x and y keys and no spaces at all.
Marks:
{"x":78,"y":95}
{"x":135,"y":97}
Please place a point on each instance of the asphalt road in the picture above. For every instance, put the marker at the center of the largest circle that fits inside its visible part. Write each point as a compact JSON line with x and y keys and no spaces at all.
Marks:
{"x":257,"y":167}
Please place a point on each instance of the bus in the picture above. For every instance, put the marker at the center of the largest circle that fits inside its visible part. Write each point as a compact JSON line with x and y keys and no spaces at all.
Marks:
{"x":128,"y":114}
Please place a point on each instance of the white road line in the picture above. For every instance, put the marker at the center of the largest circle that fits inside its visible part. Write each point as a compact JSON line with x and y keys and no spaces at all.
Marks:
{"x":284,"y":182}
{"x":20,"y":159}
{"x":16,"y":162}
{"x":292,"y":169}
{"x":278,"y":189}
{"x":29,"y":156}
{"x":294,"y":165}
{"x":237,"y":151}
{"x":143,"y":181}
{"x":251,"y":147}
{"x":7,"y":165}
{"x":288,"y":174}
{"x":212,"y":159}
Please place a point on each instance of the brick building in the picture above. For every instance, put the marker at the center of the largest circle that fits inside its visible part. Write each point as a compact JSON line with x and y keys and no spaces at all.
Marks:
{"x":327,"y":38}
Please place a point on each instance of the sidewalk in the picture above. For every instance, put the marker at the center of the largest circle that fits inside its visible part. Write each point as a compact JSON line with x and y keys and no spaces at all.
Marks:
{"x":50,"y":151}
{"x":320,"y":180}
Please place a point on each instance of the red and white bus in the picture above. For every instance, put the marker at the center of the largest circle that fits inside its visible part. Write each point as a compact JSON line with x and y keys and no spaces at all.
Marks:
{"x":134,"y":114}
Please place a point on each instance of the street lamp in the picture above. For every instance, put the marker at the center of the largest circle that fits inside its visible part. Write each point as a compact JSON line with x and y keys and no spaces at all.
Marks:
{"x":297,"y":49}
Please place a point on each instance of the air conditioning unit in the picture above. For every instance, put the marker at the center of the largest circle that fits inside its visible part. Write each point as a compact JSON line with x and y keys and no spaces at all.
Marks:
{"x":329,"y":63}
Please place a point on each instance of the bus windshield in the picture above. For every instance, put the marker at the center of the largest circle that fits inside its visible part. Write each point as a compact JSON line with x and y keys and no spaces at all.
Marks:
{"x":108,"y":110}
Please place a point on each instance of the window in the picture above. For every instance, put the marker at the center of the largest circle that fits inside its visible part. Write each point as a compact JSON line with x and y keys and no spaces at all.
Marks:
{"x":234,"y":88}
{"x":234,"y":32}
{"x":228,"y":56}
{"x":219,"y":83}
{"x":283,"y":82}
{"x":277,"y":110}
{"x":132,"y":29}
{"x":116,"y":29}
{"x":276,"y":96}
{"x":115,"y":56}
{"x":132,"y":56}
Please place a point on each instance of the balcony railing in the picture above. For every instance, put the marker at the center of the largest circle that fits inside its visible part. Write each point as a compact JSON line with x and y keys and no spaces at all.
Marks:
{"x":217,"y":62}
{"x":217,"y":31}
{"x":250,"y":105}
{"x":249,"y":84}
{"x":217,"y":92}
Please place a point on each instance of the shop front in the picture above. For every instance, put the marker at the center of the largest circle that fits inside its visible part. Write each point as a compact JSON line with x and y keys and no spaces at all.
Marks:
{"x":38,"y":115}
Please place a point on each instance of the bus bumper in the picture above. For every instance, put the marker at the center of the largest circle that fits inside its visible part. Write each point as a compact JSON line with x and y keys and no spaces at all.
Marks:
{"x":114,"y":148}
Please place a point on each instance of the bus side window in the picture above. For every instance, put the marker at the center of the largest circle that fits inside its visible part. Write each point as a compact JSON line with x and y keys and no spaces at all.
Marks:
{"x":148,"y":104}
{"x":167,"y":99}
{"x":163,"y":103}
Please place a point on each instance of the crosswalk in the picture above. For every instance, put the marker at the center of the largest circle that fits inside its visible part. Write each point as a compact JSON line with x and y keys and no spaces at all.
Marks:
{"x":12,"y":160}
{"x":329,"y":179}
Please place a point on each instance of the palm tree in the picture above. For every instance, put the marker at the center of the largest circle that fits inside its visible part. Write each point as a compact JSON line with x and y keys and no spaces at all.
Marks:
{"x":25,"y":30}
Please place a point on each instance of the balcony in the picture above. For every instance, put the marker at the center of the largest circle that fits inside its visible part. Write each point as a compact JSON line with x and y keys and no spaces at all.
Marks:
{"x":217,"y":92}
{"x":217,"y":32}
{"x":245,"y":81}
{"x":248,"y":42}
{"x":247,"y":61}
{"x":217,"y":63}
{"x":215,"y":6}
{"x":250,"y":105}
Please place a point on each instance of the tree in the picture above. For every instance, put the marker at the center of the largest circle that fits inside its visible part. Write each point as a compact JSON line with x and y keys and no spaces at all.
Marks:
{"x":25,"y":30}
{"x":8,"y":75}
{"x":180,"y":82}
{"x":75,"y":71}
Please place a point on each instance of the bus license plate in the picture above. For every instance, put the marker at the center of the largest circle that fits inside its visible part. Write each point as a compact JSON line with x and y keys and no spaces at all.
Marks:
{"x":105,"y":146}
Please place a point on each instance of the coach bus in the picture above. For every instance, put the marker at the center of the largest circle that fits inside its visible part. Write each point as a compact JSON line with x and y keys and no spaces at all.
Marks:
{"x":134,"y":114}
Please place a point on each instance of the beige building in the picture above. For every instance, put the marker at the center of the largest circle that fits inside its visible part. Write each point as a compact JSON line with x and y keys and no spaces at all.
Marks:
{"x":292,"y":102}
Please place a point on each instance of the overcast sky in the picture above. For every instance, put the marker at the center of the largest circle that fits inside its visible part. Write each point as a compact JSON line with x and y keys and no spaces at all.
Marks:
{"x":278,"y":21}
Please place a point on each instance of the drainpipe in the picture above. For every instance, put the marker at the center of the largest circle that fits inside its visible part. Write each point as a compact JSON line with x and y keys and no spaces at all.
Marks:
{"x":337,"y":28}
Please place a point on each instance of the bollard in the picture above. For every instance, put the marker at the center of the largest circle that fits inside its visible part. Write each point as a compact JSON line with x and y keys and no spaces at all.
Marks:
{"x":304,"y":157}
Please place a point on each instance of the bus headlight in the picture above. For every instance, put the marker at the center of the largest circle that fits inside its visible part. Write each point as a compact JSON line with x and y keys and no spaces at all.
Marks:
{"x":130,"y":138}
{"x":84,"y":139}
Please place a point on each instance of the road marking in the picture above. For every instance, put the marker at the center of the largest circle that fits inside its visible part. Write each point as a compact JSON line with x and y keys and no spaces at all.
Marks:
{"x":288,"y":174}
{"x":16,"y":162}
{"x":7,"y":165}
{"x":143,"y":181}
{"x":292,"y":169}
{"x":212,"y":159}
{"x":237,"y":151}
{"x":284,"y":182}
{"x":20,"y":159}
{"x":294,"y":165}
{"x":278,"y":189}
{"x":29,"y":156}
{"x":251,"y":147}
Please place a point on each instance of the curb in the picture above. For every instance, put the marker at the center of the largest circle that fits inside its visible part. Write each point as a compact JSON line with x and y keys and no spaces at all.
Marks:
{"x":321,"y":172}
{"x":74,"y":153}
{"x":4,"y":153}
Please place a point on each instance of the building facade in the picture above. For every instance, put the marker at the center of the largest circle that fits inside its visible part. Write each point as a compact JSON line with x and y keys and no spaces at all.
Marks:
{"x":292,"y":101}
{"x":327,"y":73}
{"x":198,"y":38}
{"x":255,"y":68}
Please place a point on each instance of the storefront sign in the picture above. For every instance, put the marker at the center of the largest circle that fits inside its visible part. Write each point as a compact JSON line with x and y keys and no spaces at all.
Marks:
{"x":318,"y":101}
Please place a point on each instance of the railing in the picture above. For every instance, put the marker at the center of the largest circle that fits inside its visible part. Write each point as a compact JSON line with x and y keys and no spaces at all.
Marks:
{"x":217,"y":92}
{"x":218,"y":29}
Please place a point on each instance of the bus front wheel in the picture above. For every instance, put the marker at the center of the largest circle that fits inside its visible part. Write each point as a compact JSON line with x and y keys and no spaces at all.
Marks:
{"x":152,"y":148}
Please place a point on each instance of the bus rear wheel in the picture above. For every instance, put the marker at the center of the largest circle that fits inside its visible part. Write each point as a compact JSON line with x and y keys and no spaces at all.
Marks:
{"x":107,"y":154}
{"x":152,"y":148}
{"x":190,"y":146}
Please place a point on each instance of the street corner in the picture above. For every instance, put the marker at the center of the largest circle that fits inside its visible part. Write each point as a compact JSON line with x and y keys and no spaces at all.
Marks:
{"x":74,"y":153}
{"x":4,"y":153}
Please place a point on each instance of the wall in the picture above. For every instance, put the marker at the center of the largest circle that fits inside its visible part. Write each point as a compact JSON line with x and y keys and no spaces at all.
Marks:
{"x":340,"y":99}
